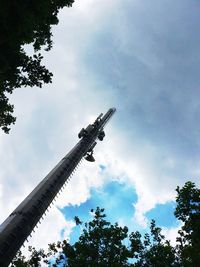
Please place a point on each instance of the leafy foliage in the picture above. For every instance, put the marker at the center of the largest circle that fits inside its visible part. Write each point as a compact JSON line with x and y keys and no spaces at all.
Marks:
{"x":101,"y":244}
{"x":188,"y":211}
{"x":109,"y":245}
{"x":153,"y":250}
{"x":22,"y":23}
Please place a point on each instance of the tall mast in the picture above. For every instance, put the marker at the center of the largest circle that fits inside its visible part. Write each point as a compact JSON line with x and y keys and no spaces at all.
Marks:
{"x":21,"y":222}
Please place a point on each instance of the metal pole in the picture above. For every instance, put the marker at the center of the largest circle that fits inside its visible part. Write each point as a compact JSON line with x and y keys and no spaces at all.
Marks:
{"x":21,"y":222}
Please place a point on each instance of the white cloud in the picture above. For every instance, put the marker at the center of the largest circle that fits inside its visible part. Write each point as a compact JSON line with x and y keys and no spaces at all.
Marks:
{"x":171,"y":234}
{"x":49,"y":231}
{"x":77,"y":190}
{"x":139,"y":167}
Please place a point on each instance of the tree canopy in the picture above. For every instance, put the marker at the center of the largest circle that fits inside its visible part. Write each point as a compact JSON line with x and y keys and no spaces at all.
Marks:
{"x":188,"y":211}
{"x":104,"y":244}
{"x":22,"y":23}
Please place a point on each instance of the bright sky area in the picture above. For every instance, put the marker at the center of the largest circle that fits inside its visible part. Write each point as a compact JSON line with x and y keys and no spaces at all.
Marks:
{"x":141,"y":57}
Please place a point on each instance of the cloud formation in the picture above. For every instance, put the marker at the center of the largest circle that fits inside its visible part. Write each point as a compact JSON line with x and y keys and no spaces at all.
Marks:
{"x":142,"y":58}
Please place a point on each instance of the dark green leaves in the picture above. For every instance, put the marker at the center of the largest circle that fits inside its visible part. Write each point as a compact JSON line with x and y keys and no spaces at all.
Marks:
{"x":188,"y":211}
{"x":22,"y":23}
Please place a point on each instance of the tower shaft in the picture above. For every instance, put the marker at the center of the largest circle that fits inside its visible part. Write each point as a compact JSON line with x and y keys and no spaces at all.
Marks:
{"x":20,"y":223}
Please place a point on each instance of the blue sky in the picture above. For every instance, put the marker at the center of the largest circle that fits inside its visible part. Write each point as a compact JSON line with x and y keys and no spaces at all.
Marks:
{"x":141,"y":57}
{"x":117,"y":199}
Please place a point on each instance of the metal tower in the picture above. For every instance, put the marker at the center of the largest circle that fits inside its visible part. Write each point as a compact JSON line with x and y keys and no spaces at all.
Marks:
{"x":21,"y":222}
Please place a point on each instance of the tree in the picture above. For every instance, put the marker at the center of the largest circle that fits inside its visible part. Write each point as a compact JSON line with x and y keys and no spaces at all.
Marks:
{"x":23,"y":23}
{"x":188,"y":211}
{"x":152,"y":250}
{"x":103,"y":244}
{"x":36,"y":257}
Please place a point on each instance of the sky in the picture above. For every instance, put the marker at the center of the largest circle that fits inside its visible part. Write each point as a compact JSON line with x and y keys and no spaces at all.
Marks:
{"x":141,"y":57}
